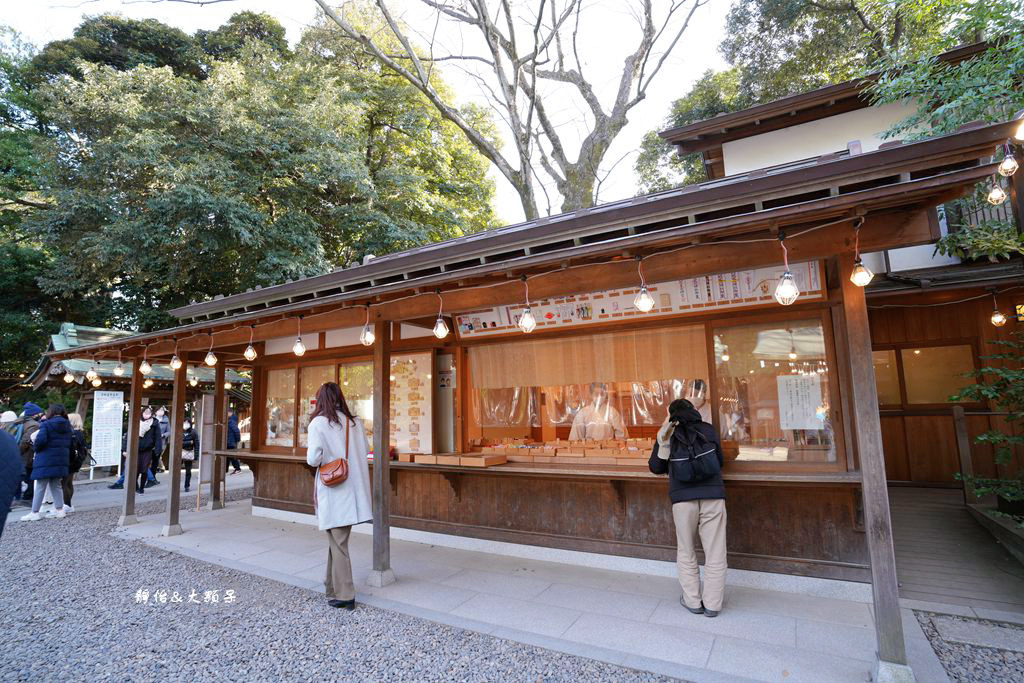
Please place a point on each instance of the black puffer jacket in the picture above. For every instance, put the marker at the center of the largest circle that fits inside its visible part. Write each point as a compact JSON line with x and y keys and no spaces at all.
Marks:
{"x":680,"y":491}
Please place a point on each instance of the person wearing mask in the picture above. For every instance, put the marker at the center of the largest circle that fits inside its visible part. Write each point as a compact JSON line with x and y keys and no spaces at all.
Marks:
{"x":335,"y":432}
{"x":79,"y":455}
{"x":598,"y":420}
{"x":165,"y":440}
{"x":690,"y":452}
{"x":23,"y":429}
{"x":189,"y":450}
{"x":699,"y":398}
{"x":150,"y":478}
{"x":234,"y":436}
{"x":10,"y":474}
{"x":50,"y":463}
{"x":149,"y":446}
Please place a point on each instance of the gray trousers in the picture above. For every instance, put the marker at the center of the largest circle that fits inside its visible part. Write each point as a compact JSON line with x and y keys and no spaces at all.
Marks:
{"x":339,"y":565}
{"x":54,"y":483}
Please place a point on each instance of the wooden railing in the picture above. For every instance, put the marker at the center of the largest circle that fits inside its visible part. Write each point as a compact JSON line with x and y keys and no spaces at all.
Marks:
{"x":963,"y":443}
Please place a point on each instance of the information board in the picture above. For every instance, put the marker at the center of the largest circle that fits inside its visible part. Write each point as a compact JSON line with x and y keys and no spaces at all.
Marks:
{"x":800,"y":403}
{"x":107,"y":418}
{"x":739,"y":289}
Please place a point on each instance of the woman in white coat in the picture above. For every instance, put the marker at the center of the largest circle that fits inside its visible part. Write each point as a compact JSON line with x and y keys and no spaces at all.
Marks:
{"x":334,"y":432}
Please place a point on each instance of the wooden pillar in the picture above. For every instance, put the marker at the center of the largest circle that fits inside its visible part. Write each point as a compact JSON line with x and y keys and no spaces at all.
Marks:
{"x":131,"y":463}
{"x":892,"y":656}
{"x":171,"y":526}
{"x":963,"y":447}
{"x":381,"y":574}
{"x":220,"y":436}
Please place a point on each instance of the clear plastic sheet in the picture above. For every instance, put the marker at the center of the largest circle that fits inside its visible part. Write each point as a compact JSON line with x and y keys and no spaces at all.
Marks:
{"x":512,"y":407}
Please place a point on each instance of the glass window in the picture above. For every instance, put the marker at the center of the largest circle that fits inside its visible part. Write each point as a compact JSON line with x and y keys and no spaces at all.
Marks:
{"x":356,"y":380}
{"x":887,"y":377}
{"x":313,"y":377}
{"x":773,"y":391}
{"x":933,"y":374}
{"x":280,"y":407}
{"x":411,"y":399}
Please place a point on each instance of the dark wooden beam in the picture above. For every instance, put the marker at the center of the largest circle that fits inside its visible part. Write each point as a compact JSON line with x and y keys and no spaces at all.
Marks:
{"x":382,"y":574}
{"x":877,"y":521}
{"x":131,"y":463}
{"x":171,"y":526}
{"x":220,"y":434}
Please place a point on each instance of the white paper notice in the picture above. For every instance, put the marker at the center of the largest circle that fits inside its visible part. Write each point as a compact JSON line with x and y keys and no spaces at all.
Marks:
{"x":108,"y":413}
{"x":799,"y":401}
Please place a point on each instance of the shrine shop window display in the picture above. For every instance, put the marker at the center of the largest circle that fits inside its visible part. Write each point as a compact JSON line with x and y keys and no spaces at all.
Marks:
{"x":583,"y":399}
{"x":775,"y":387}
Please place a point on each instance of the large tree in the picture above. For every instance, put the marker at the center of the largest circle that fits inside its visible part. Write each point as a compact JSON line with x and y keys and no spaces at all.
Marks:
{"x":530,"y":50}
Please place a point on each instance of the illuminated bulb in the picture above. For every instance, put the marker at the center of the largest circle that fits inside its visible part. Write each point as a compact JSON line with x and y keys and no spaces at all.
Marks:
{"x":527,"y":323}
{"x":148,"y":383}
{"x":145,"y":368}
{"x":644,"y":302}
{"x":119,"y":369}
{"x":1008,"y":166}
{"x":725,"y":357}
{"x":366,"y":337}
{"x":91,"y":375}
{"x":998,"y":319}
{"x":68,"y":377}
{"x":392,"y":378}
{"x":440,"y":328}
{"x":298,"y":348}
{"x":228,"y":385}
{"x":996,"y":195}
{"x":786,"y":292}
{"x":792,"y":354}
{"x":249,"y":353}
{"x":175,"y":362}
{"x":917,"y":352}
{"x":861,"y":275}
{"x":97,"y":381}
{"x":193,"y":381}
{"x":211,"y":358}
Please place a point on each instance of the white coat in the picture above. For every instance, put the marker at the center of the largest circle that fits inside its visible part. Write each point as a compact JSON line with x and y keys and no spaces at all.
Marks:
{"x":347,"y":503}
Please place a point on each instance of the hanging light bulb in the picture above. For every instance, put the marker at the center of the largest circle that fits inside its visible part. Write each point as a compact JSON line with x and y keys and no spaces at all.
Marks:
{"x":1008,"y":166}
{"x":998,"y":318}
{"x":145,"y":368}
{"x":725,"y":357}
{"x":367,"y":337}
{"x":527,"y":323}
{"x":193,"y":380}
{"x":996,"y":194}
{"x":861,"y":274}
{"x":175,"y":362}
{"x":643,"y":301}
{"x":298,"y":348}
{"x":250,"y":352}
{"x":119,"y":368}
{"x":440,"y":327}
{"x":228,"y":385}
{"x":147,"y":383}
{"x":96,"y":382}
{"x":786,"y":292}
{"x":211,"y":357}
{"x":68,"y":377}
{"x":792,"y":353}
{"x":91,"y":374}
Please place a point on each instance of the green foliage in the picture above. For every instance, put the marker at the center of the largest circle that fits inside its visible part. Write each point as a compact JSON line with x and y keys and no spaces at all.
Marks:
{"x":1002,"y":383}
{"x":229,"y":40}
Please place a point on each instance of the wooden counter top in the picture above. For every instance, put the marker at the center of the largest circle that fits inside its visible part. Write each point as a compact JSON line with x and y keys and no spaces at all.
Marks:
{"x":614,"y":472}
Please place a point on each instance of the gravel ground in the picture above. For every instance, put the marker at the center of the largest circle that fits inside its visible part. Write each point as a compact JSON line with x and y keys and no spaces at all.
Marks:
{"x":70,"y":610}
{"x":973,"y":663}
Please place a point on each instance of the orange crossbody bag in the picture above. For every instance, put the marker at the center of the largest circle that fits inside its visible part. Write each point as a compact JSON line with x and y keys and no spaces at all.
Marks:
{"x":336,"y":471}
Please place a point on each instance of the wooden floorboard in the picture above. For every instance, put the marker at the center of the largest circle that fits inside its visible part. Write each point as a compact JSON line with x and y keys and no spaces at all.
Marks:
{"x":943,"y":555}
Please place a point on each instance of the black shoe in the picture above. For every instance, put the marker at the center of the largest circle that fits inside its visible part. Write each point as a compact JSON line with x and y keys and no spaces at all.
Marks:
{"x":115,"y":485}
{"x":186,"y":489}
{"x":693,"y":610}
{"x":343,"y":604}
{"x":710,"y":612}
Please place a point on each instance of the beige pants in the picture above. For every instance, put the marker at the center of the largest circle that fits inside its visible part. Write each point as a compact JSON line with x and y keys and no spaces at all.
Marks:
{"x":339,"y":565}
{"x":706,"y":517}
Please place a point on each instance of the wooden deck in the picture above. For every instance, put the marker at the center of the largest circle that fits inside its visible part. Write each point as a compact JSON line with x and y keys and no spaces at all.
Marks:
{"x":943,"y":555}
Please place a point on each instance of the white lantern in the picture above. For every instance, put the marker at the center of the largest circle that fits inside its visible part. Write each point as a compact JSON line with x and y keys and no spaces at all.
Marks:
{"x":861,"y":275}
{"x":527,"y":323}
{"x":145,"y":368}
{"x":91,"y":374}
{"x":367,"y":337}
{"x":68,"y":377}
{"x":211,"y":358}
{"x":298,"y":348}
{"x":786,"y":292}
{"x":996,"y":195}
{"x":643,"y":301}
{"x":1008,"y":166}
{"x":440,"y":328}
{"x":96,"y":382}
{"x":249,"y":353}
{"x":175,"y":362}
{"x":119,"y":369}
{"x":193,"y":380}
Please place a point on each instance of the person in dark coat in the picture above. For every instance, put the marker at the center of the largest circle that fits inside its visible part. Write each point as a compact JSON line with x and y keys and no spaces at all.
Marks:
{"x":10,"y":475}
{"x":189,"y":446}
{"x":234,"y":436}
{"x":50,"y":463}
{"x":698,"y":503}
{"x":149,"y":445}
{"x":24,"y":429}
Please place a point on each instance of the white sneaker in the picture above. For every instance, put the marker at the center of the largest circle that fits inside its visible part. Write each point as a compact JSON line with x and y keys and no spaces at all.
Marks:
{"x":46,"y":507}
{"x":68,"y":508}
{"x":56,"y":514}
{"x":32,"y":517}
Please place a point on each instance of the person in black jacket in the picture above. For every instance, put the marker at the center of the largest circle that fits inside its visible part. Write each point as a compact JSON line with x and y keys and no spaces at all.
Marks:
{"x":697,"y":493}
{"x":11,"y":471}
{"x":189,"y":450}
{"x":149,"y":445}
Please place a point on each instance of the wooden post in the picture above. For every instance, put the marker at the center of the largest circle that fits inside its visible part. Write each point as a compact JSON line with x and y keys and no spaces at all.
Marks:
{"x":963,"y":447}
{"x":220,"y":439}
{"x":892,"y":655}
{"x":172,"y":527}
{"x":131,"y":463}
{"x":381,"y":574}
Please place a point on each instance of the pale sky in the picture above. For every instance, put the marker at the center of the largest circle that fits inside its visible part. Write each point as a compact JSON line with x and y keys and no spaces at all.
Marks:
{"x":609,"y":31}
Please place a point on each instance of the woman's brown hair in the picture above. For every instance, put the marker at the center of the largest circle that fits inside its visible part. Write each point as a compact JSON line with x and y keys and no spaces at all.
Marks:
{"x":329,"y":402}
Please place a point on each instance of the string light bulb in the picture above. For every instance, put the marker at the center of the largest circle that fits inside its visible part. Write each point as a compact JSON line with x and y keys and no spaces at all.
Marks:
{"x":193,"y":380}
{"x":861,"y":274}
{"x":91,"y":374}
{"x":119,"y":368}
{"x":250,"y":351}
{"x":68,"y":377}
{"x":175,"y":361}
{"x":144,"y":367}
{"x":996,"y":194}
{"x":527,"y":323}
{"x":298,"y":348}
{"x":211,"y":357}
{"x":998,"y":318}
{"x":147,"y":383}
{"x":643,"y":301}
{"x":725,"y":357}
{"x":367,"y":337}
{"x":96,"y":382}
{"x":786,"y":291}
{"x":1008,"y":166}
{"x":440,"y":327}
{"x":228,"y":385}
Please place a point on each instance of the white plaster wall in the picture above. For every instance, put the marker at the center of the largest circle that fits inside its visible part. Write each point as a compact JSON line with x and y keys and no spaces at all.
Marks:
{"x":813,"y":138}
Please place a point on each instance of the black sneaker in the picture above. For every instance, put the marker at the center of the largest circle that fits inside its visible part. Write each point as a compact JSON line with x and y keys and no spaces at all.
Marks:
{"x":343,"y":604}
{"x":140,"y":490}
{"x":115,"y":485}
{"x":186,"y":489}
{"x":710,"y":612}
{"x":693,"y":610}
